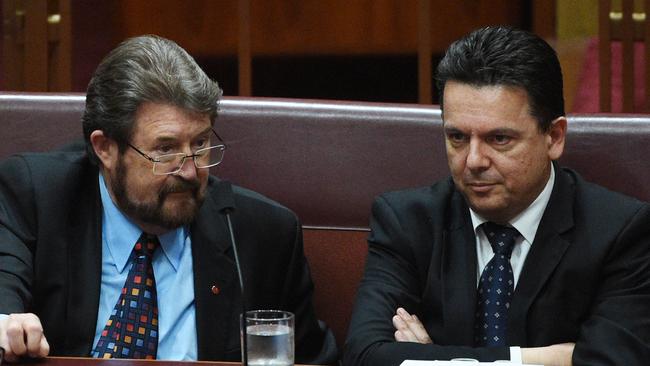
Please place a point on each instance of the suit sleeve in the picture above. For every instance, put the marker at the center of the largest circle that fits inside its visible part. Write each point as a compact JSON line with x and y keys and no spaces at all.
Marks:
{"x":315,"y":343}
{"x":16,"y":236}
{"x":393,"y":279}
{"x":618,"y":330}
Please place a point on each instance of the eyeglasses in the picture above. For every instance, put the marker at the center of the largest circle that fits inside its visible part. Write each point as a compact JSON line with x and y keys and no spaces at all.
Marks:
{"x":173,"y":163}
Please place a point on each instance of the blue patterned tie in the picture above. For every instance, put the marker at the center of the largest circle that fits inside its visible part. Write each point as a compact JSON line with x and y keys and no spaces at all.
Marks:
{"x":496,"y":286}
{"x":132,"y":329}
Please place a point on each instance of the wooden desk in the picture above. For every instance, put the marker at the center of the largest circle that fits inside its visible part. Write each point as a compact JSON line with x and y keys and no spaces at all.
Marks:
{"x":82,"y":361}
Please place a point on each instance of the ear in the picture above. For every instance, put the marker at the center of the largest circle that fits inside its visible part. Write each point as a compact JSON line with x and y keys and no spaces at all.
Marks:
{"x":555,"y":137}
{"x":105,"y":148}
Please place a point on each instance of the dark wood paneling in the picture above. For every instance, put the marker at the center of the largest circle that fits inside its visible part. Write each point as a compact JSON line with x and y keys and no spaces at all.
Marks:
{"x":312,"y":26}
{"x":283,"y":30}
{"x":544,"y":18}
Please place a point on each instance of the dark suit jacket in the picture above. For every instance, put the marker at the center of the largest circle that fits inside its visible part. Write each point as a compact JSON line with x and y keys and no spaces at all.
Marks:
{"x":586,"y":278}
{"x":50,"y":258}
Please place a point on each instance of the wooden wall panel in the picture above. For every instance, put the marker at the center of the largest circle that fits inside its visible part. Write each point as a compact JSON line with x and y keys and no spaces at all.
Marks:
{"x":335,"y":26}
{"x":453,"y":19}
{"x":36,"y":44}
{"x":544,"y":18}
{"x":308,"y":27}
{"x":202,"y":27}
{"x":208,"y":29}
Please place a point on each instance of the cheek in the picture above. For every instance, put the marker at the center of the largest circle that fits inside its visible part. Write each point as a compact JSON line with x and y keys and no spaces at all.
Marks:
{"x":456,"y":161}
{"x":508,"y":169}
{"x":519,"y":172}
{"x":144,"y":186}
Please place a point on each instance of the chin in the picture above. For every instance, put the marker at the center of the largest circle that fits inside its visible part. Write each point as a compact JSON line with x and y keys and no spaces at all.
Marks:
{"x":180,"y":207}
{"x":181,"y":210}
{"x":489,"y":211}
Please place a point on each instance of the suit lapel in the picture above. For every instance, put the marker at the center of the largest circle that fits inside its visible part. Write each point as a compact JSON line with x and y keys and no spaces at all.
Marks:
{"x":84,"y":267}
{"x":216,"y":290}
{"x":459,"y":274}
{"x":545,"y":254}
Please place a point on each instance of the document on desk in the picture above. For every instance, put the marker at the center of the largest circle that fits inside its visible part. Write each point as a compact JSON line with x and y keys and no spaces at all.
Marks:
{"x":461,"y":363}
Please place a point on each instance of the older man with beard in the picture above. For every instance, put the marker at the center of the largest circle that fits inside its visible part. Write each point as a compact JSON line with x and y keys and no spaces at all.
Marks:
{"x":121,"y":249}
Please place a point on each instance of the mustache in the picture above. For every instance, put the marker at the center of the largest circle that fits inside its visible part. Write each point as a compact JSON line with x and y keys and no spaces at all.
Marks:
{"x":181,"y":185}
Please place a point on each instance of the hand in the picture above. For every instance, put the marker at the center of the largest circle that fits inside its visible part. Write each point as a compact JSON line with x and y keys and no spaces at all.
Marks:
{"x":553,"y":355}
{"x":22,"y":335}
{"x":409,"y":328}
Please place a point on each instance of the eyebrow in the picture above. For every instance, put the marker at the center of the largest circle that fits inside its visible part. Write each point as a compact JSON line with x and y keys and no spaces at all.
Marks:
{"x":207,"y":131}
{"x":504,"y":131}
{"x":448,"y":129}
{"x":496,"y":131}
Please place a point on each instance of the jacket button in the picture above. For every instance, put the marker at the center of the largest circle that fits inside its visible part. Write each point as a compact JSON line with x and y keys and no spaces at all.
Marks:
{"x":215,"y":290}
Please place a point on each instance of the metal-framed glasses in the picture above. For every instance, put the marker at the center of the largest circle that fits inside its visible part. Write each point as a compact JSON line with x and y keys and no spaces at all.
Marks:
{"x":173,"y":163}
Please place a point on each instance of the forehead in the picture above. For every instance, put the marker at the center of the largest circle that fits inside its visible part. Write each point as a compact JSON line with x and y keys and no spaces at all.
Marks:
{"x":153,"y":120}
{"x":475,"y":107}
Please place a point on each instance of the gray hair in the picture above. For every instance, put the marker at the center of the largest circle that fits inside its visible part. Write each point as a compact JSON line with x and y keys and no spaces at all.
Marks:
{"x":144,"y":69}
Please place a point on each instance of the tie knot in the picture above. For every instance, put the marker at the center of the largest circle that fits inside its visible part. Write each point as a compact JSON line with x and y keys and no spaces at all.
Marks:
{"x":501,"y":238}
{"x":146,"y":245}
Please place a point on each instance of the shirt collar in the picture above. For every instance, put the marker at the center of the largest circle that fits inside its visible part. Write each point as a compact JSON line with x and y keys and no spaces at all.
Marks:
{"x":527,"y":221}
{"x":120,"y":233}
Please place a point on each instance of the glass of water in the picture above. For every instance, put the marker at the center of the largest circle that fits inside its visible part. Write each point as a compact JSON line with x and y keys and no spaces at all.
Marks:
{"x":270,"y":337}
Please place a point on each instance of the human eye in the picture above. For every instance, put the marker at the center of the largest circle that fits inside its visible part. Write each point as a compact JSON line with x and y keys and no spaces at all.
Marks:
{"x":500,"y":139}
{"x":201,"y":143}
{"x":165,"y":149}
{"x":456,"y":137}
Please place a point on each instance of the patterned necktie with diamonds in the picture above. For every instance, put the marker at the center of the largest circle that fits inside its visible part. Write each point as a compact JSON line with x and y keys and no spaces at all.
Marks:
{"x":496,"y":287}
{"x":132,"y":329}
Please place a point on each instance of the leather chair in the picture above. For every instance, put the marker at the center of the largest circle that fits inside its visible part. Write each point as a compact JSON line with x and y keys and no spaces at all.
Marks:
{"x":327,"y":160}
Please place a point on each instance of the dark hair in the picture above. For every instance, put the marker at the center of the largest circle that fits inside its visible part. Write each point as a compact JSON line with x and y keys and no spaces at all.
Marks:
{"x":144,"y":69}
{"x":504,"y":56}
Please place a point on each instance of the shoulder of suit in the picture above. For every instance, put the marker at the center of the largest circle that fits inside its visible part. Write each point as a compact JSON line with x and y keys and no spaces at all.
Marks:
{"x":70,"y":154}
{"x":49,"y":168}
{"x":436,"y":200}
{"x":248,"y":194}
{"x":245,"y":197}
{"x":594,"y":194}
{"x":440,"y":191}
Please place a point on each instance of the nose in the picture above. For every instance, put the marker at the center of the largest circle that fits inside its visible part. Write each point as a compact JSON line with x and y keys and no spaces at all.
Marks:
{"x":188,"y":169}
{"x":477,"y":159}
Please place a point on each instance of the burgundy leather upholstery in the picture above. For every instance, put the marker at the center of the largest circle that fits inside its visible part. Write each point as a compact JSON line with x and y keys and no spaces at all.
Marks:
{"x":326,"y":160}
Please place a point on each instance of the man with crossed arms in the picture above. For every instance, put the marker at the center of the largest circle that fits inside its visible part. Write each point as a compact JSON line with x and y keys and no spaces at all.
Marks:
{"x":513,"y":257}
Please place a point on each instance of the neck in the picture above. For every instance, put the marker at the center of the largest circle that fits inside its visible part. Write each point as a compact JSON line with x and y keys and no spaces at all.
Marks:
{"x":150,"y":229}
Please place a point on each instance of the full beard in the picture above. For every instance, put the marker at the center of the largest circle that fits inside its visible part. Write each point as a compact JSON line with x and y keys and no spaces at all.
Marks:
{"x":155,"y":212}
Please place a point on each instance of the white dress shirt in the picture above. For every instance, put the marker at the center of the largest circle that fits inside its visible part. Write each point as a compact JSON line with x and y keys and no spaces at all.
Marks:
{"x":526,"y":223}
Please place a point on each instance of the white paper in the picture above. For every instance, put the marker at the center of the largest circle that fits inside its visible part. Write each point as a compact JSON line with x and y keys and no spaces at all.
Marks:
{"x":461,"y":363}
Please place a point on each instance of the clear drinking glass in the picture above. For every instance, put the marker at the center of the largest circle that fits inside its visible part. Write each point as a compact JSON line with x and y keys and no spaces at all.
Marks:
{"x":270,"y":337}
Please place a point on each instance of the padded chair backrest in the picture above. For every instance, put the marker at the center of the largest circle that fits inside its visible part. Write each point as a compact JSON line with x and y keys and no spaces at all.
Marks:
{"x":327,"y":160}
{"x":38,"y":121}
